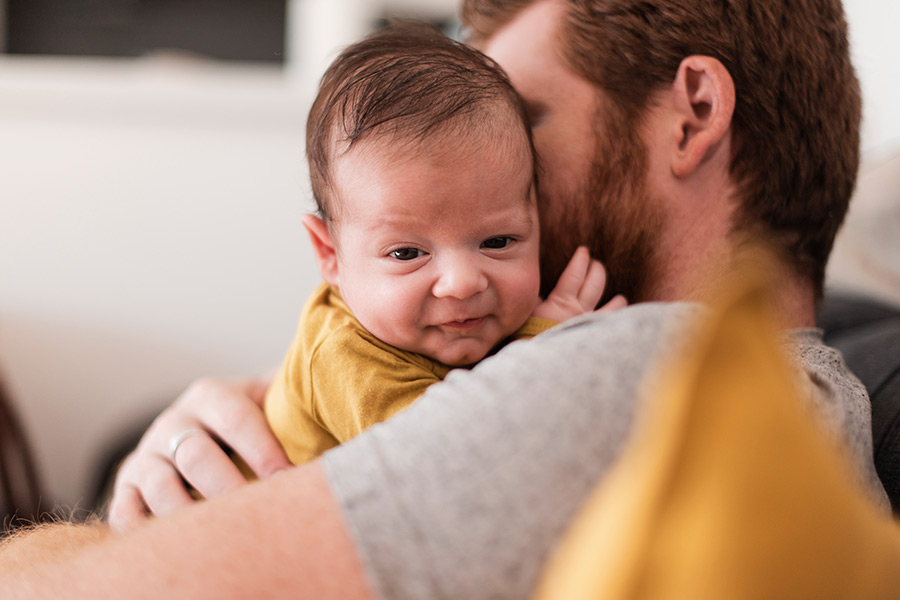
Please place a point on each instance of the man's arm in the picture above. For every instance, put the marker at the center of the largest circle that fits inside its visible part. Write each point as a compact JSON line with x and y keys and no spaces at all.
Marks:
{"x":462,"y":495}
{"x":283,"y":537}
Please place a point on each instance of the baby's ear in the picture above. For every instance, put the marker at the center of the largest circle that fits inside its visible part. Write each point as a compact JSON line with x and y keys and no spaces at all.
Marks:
{"x":324,"y":247}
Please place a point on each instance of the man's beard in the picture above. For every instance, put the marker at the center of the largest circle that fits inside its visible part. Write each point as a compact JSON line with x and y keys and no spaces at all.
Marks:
{"x":614,"y":215}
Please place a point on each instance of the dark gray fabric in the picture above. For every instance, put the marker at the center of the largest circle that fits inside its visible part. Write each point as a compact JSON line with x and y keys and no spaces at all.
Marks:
{"x":868,"y":334}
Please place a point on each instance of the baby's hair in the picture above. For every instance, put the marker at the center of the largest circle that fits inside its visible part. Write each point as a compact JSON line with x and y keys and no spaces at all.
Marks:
{"x":404,"y":80}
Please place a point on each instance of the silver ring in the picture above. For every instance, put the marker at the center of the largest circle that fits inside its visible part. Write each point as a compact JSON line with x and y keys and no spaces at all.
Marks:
{"x":178,"y":438}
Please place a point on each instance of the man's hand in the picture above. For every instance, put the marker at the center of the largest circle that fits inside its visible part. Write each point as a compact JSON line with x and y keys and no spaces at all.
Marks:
{"x":578,"y":290}
{"x":150,"y":479}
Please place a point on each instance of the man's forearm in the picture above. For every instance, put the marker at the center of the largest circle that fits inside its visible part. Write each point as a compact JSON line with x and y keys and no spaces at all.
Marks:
{"x":282,"y":538}
{"x":47,"y":542}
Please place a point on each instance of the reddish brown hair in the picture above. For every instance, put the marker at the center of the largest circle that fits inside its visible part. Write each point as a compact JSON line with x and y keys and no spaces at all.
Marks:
{"x":404,"y":81}
{"x":796,"y":120}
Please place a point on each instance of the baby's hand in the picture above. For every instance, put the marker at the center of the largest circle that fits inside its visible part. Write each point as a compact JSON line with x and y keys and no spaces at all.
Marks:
{"x":578,"y":290}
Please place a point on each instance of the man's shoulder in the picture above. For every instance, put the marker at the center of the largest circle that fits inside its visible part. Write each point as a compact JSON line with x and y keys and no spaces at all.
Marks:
{"x":824,"y":365}
{"x":651,"y":318}
{"x":839,"y":399}
{"x":595,"y":349}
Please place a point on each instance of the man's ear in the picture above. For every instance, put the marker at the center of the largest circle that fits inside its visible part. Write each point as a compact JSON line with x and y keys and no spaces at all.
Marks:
{"x":703,"y":95}
{"x":326,"y":255}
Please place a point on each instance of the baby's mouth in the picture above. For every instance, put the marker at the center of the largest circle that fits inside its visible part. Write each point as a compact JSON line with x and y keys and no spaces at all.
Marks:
{"x":464,"y":324}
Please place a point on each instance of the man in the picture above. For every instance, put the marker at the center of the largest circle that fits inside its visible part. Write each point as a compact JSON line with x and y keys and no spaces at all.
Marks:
{"x":668,"y":131}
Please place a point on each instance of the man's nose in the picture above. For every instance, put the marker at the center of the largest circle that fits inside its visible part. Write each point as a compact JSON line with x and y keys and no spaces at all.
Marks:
{"x":459,"y":278}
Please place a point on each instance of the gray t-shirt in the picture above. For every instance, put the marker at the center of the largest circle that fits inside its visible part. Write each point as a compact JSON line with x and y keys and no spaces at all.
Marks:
{"x":463,"y":494}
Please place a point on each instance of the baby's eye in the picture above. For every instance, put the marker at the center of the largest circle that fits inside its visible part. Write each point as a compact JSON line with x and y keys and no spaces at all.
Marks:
{"x":496,"y":243}
{"x":406,"y":253}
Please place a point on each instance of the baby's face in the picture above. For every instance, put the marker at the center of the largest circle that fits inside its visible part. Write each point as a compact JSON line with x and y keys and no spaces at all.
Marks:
{"x":438,"y":243}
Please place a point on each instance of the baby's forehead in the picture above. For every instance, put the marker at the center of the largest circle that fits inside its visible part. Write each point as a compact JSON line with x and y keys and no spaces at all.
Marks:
{"x":498,"y":128}
{"x":431,"y":160}
{"x":470,"y":159}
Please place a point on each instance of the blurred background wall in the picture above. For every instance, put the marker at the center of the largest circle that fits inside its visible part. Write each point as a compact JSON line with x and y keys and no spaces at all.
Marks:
{"x":152,"y":192}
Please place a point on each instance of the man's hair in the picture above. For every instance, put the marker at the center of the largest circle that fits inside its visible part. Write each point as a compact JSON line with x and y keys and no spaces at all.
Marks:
{"x":405,"y":81}
{"x":795,"y":149}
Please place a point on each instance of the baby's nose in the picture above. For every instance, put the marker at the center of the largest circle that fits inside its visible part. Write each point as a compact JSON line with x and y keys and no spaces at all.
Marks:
{"x":459,"y":278}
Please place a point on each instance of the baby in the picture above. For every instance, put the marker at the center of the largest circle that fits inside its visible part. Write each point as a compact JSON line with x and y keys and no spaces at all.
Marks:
{"x":426,"y":235}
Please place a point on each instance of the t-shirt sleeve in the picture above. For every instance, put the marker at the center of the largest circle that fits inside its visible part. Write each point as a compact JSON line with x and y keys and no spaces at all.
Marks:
{"x":463,"y":494}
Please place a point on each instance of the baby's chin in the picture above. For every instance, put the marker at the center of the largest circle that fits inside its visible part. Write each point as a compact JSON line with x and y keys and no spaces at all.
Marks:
{"x":463,"y":356}
{"x":461,"y":363}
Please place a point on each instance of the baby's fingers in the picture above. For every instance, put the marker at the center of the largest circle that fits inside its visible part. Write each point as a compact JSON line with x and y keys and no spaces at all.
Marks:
{"x":572,"y":278}
{"x":593,"y":285}
{"x":614,"y":304}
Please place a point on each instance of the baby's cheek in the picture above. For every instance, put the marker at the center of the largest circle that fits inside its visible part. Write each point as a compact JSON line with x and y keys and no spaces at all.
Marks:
{"x":519,"y":309}
{"x":386,"y":325}
{"x":529,"y":291}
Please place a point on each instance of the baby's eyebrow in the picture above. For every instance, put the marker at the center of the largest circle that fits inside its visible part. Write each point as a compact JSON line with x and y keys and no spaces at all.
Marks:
{"x":522,"y":219}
